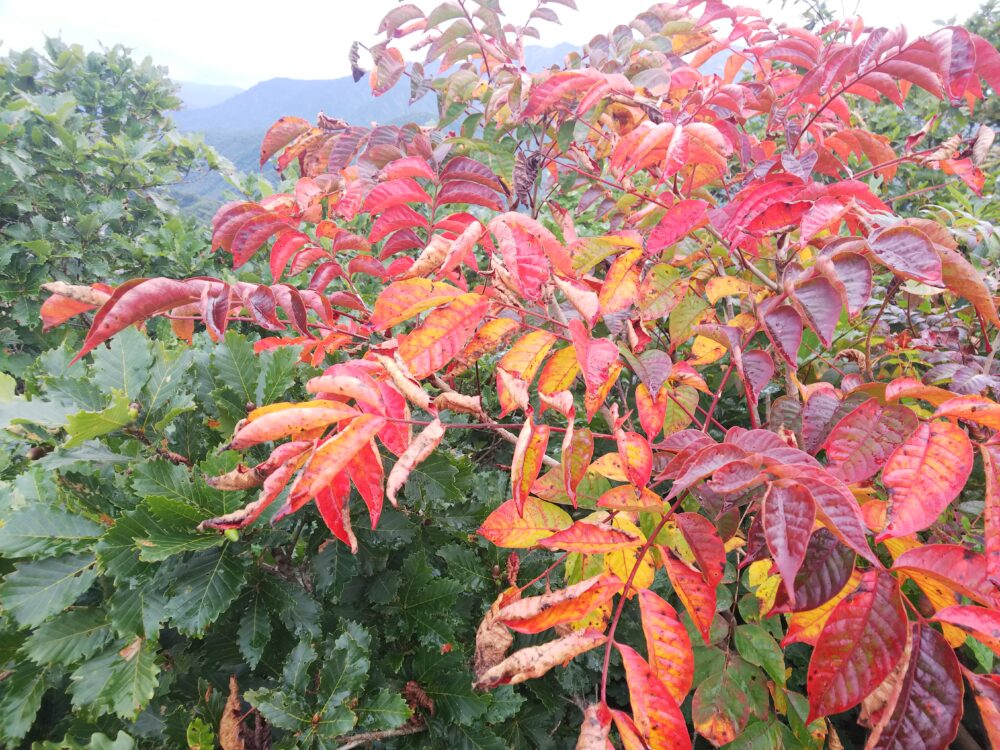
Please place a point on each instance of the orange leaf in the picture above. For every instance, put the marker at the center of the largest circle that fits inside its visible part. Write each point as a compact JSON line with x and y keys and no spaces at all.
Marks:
{"x":621,"y":285}
{"x":591,"y":538}
{"x":537,"y":613}
{"x":636,"y":457}
{"x":442,"y":335}
{"x":973,"y":408}
{"x":508,"y":527}
{"x":332,"y":456}
{"x":402,"y":300}
{"x":668,"y":645}
{"x":627,"y":497}
{"x":528,"y":455}
{"x":657,"y":716}
{"x":559,"y":372}
{"x":282,"y":420}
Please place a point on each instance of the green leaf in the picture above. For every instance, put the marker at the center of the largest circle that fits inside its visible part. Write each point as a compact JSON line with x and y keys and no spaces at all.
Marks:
{"x":124,"y":365}
{"x":276,"y":376}
{"x":46,"y":531}
{"x":472,"y":737}
{"x":448,"y":682}
{"x":121,"y":679}
{"x":163,"y":479}
{"x":68,"y":637}
{"x":199,"y":735}
{"x":281,"y":709}
{"x":39,"y":589}
{"x":93,"y":453}
{"x":137,"y":611}
{"x":237,"y":366}
{"x":504,"y":704}
{"x":22,"y":697}
{"x":423,"y":598}
{"x":387,"y":710}
{"x":85,"y":425}
{"x":296,"y":670}
{"x":205,"y":587}
{"x":758,"y":647}
{"x":97,"y":741}
{"x":164,"y":397}
{"x":464,"y":565}
{"x":255,"y":627}
{"x":117,"y":549}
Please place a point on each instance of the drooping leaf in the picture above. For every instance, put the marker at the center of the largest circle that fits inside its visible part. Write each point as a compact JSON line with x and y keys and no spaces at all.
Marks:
{"x":534,"y":661}
{"x":537,"y":613}
{"x":668,"y":645}
{"x":860,"y":644}
{"x":861,"y":442}
{"x":657,"y":716}
{"x":923,"y":475}
{"x":788,"y":512}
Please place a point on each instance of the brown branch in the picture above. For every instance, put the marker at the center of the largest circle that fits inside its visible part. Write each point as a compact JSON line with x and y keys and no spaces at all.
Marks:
{"x":358,"y":740}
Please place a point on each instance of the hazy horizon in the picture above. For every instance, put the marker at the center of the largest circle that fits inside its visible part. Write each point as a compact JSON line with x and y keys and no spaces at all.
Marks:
{"x":224,"y":48}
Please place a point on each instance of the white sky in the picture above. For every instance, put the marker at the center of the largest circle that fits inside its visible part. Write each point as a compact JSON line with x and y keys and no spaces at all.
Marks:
{"x":243,"y":42}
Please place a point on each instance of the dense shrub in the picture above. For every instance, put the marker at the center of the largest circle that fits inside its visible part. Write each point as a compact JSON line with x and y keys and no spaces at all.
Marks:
{"x":660,"y":335}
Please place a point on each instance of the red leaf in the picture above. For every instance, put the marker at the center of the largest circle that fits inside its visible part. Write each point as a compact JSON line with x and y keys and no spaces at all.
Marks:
{"x":927,"y":697}
{"x":820,"y":304}
{"x":668,"y":645}
{"x":984,"y":624}
{"x":783,"y":326}
{"x":460,"y":191}
{"x":909,"y":252}
{"x":331,"y":501}
{"x":366,"y":472}
{"x":134,"y":302}
{"x":859,"y":646}
{"x":788,"y":513}
{"x":861,"y":442}
{"x":597,"y":359}
{"x":680,"y":219}
{"x":279,"y":135}
{"x":657,"y":716}
{"x":758,"y":369}
{"x":253,"y":233}
{"x":836,"y":506}
{"x":958,"y":567}
{"x":394,"y":193}
{"x":826,"y":569}
{"x":695,"y":594}
{"x":991,"y":514}
{"x":923,"y":475}
{"x":704,"y":541}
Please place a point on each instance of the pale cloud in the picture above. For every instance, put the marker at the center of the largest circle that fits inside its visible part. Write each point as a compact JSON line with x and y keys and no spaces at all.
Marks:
{"x":241,"y":43}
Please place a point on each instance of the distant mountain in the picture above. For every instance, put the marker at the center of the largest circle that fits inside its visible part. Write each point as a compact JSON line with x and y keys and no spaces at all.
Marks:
{"x":236,"y":124}
{"x":199,"y":95}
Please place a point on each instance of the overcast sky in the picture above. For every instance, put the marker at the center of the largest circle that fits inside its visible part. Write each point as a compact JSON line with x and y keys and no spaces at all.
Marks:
{"x":241,"y":43}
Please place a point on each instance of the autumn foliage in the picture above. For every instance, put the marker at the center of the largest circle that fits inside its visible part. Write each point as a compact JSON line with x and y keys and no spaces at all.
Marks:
{"x":689,"y":213}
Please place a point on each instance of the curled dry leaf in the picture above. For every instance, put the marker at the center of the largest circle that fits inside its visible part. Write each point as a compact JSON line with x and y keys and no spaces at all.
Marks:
{"x":595,"y":729}
{"x":430,"y":258}
{"x":421,"y":447}
{"x":457,"y":402}
{"x":240,"y":478}
{"x":404,"y":382}
{"x":534,"y":661}
{"x":229,"y":725}
{"x":493,"y":638}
